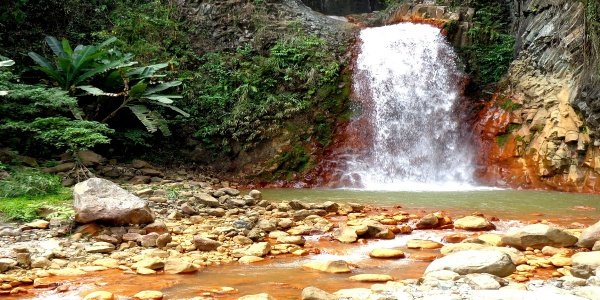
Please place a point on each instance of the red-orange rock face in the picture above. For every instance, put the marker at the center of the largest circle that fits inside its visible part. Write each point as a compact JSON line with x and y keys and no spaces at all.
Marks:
{"x":508,"y":158}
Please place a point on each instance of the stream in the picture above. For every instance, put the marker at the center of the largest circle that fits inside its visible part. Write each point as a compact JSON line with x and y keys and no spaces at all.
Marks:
{"x":284,"y":278}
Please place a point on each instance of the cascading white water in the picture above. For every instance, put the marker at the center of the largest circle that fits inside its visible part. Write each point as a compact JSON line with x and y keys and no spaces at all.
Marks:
{"x":408,"y":74}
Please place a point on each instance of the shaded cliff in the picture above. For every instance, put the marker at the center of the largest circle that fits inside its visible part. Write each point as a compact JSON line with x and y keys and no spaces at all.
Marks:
{"x":344,"y":7}
{"x":540,"y":129}
{"x":271,"y":85}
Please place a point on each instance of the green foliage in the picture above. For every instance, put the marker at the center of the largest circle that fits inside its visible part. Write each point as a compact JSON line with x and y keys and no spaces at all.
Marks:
{"x":29,"y":182}
{"x":292,"y":161}
{"x":513,"y":127}
{"x":138,"y":88}
{"x":28,"y":208}
{"x":152,"y":30}
{"x":172,"y":194}
{"x":63,"y":133}
{"x":593,"y":32}
{"x":142,"y":89}
{"x":243,"y":97}
{"x":491,"y":51}
{"x":28,"y":101}
{"x":70,"y":68}
{"x":133,"y":137}
{"x":38,"y":117}
{"x":24,"y":23}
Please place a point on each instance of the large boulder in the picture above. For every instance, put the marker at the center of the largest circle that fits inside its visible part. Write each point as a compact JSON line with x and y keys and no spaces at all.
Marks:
{"x":589,"y":236}
{"x":475,"y":261}
{"x":584,"y":264}
{"x":537,"y":236}
{"x":100,"y":200}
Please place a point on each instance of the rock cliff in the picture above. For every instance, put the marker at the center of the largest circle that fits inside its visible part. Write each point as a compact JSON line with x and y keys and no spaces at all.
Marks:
{"x":344,"y":7}
{"x":540,"y":128}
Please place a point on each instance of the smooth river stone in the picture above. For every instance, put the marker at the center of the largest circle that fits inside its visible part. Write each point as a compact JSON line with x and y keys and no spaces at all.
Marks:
{"x":473,"y":223}
{"x":371,"y":278}
{"x":386,"y":253}
{"x":475,"y":261}
{"x":337,"y":266}
{"x":250,"y":259}
{"x":423,"y":244}
{"x":148,"y":295}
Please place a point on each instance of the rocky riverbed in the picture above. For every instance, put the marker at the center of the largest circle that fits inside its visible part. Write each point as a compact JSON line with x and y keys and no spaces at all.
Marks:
{"x":184,"y":226}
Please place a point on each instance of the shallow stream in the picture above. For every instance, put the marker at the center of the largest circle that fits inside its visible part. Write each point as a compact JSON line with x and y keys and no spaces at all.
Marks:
{"x":283,"y":277}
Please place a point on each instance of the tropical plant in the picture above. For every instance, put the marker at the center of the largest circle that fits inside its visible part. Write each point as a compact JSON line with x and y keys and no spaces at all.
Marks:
{"x":140,"y":88}
{"x":143,"y":90}
{"x":72,"y":67}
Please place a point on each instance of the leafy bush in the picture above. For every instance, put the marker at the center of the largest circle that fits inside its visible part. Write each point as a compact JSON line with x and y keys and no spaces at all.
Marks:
{"x":29,"y":182}
{"x":38,"y":117}
{"x":153,"y":31}
{"x":491,"y":51}
{"x":492,"y":45}
{"x":70,"y":68}
{"x":243,"y":97}
{"x":24,"y":23}
{"x":593,"y":32}
{"x":63,"y":133}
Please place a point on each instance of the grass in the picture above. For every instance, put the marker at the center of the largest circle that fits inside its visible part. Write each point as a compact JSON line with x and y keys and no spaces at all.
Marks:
{"x":28,"y":192}
{"x":27,"y":208}
{"x":28,"y":182}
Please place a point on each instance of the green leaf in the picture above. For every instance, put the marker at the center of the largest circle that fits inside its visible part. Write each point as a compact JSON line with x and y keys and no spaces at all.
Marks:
{"x":56,"y":46}
{"x":96,"y":91}
{"x":175,"y":108}
{"x":143,"y":114}
{"x":138,"y":90}
{"x":67,"y":47}
{"x":107,"y":42}
{"x":45,"y":66}
{"x":82,"y":55}
{"x":161,"y":123}
{"x":166,"y":99}
{"x":146,"y":71}
{"x":41,"y":61}
{"x":101,"y":69}
{"x":162,"y":86}
{"x":7,"y":63}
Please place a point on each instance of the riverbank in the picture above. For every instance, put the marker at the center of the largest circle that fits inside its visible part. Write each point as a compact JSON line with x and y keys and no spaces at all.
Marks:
{"x":211,"y":241}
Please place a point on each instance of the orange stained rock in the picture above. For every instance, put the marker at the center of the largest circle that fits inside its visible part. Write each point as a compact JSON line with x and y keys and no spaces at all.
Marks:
{"x":504,"y":161}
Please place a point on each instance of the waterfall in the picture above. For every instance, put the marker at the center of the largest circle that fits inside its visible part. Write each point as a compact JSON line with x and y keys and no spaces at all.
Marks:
{"x":407,"y":86}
